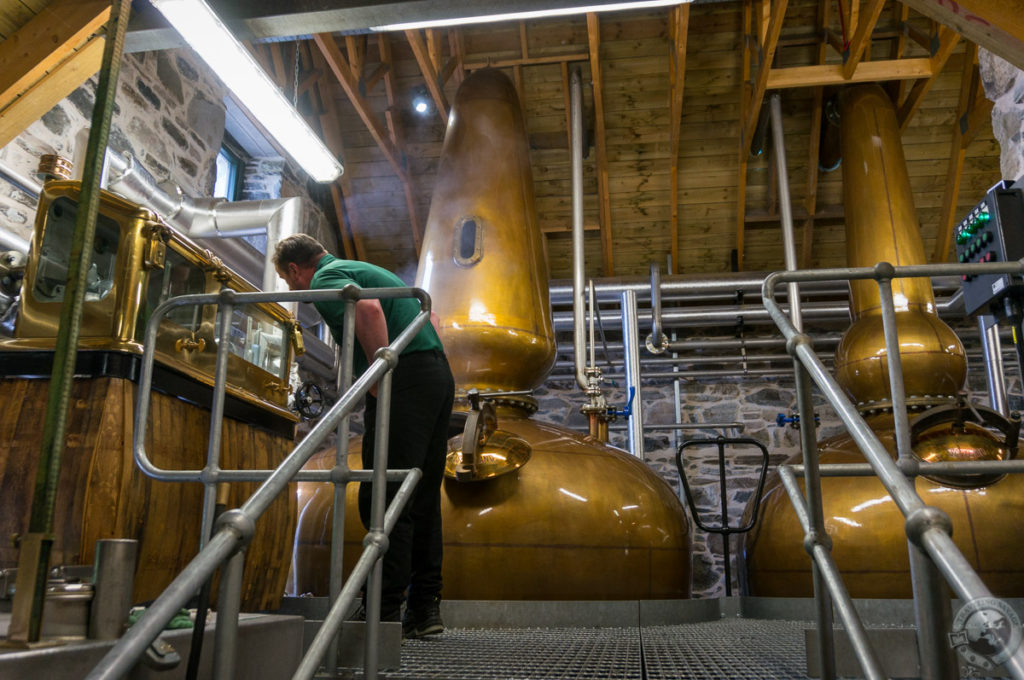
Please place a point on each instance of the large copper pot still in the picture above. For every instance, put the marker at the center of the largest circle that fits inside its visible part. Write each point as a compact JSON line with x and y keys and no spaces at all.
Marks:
{"x":867,"y":530}
{"x":545,"y":513}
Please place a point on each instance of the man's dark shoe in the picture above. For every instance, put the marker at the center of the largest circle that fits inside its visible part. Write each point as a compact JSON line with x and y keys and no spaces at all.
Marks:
{"x":423,"y":621}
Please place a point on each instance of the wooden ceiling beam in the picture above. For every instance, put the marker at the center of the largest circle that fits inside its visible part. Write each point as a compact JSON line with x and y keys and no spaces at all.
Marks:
{"x":679,"y":18}
{"x":343,"y":73}
{"x":456,"y":51}
{"x":433,"y":48}
{"x":862,"y":36}
{"x":604,"y":200}
{"x":947,"y":41}
{"x":46,"y":41}
{"x":429,"y":71}
{"x":767,"y":56}
{"x":532,"y":61}
{"x":957,"y":152}
{"x":355,"y":45}
{"x":375,"y":76}
{"x":397,"y":138}
{"x":996,"y":25}
{"x":42,"y":96}
{"x":832,"y":74}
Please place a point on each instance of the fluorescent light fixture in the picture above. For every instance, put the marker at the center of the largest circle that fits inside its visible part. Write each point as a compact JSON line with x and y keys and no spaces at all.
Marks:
{"x":250,"y":84}
{"x":528,"y":14}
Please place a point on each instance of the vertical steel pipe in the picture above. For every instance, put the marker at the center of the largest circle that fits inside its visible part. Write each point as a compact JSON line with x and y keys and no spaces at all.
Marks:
{"x":631,"y":350}
{"x":578,"y":252}
{"x":113,"y":576}
{"x":992,"y":351}
{"x":785,"y":207}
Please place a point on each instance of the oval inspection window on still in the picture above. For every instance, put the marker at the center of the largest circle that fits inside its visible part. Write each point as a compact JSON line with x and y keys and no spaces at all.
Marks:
{"x":469,"y":247}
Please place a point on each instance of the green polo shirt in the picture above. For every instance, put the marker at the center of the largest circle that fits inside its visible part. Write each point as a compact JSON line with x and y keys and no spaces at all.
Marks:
{"x":332,"y":272}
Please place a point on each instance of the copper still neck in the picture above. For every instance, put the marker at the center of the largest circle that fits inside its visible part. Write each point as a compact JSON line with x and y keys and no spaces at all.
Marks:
{"x":483,"y":259}
{"x":881,"y":225}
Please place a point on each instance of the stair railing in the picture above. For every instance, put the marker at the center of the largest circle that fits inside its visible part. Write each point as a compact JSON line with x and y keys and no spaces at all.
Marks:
{"x":933,"y":554}
{"x":234,"y":529}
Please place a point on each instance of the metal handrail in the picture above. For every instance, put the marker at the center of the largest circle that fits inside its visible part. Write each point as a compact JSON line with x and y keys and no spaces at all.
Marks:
{"x":932,"y":550}
{"x":234,"y":529}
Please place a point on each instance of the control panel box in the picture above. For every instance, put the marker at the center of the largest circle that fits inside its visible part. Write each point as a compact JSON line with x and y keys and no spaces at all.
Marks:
{"x":993,"y":231}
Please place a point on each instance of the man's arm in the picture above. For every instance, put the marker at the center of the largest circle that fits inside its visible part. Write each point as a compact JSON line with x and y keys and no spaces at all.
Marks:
{"x":371,"y":329}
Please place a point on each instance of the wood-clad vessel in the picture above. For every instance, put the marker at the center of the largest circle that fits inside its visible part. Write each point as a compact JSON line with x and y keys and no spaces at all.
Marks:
{"x":137,"y":263}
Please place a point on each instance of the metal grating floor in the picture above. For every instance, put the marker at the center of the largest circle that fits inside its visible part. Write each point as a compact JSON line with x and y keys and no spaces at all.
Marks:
{"x":726,"y":648}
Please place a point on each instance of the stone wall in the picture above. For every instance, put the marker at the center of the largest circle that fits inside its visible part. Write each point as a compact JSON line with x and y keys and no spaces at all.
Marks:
{"x":168,"y":114}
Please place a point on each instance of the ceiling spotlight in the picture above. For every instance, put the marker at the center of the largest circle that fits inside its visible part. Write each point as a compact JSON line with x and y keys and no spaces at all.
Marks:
{"x":421,"y":103}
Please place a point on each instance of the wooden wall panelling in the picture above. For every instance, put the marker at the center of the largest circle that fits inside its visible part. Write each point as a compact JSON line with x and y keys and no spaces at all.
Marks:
{"x":814,"y":146}
{"x":604,"y":201}
{"x":746,"y":93}
{"x":679,"y":18}
{"x":429,"y":70}
{"x":398,"y":139}
{"x":968,"y":85}
{"x":947,"y":40}
{"x":350,"y":238}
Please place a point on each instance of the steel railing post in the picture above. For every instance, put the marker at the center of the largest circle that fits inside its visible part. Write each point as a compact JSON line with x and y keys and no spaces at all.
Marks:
{"x":817,"y":535}
{"x":225,"y":310}
{"x":228,"y":605}
{"x":378,"y":504}
{"x":340,"y":474}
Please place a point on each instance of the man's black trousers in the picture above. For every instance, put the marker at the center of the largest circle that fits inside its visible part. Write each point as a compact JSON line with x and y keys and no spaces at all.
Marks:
{"x":422,"y":391}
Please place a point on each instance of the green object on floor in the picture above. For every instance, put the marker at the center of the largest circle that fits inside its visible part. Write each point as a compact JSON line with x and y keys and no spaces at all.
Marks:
{"x":180,"y":620}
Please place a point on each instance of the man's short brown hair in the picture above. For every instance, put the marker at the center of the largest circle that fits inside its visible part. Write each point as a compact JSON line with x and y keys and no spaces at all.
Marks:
{"x":302,"y":249}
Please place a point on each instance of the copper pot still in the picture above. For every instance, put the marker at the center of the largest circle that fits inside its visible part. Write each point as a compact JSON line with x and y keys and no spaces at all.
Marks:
{"x":867,"y":529}
{"x":531,"y":511}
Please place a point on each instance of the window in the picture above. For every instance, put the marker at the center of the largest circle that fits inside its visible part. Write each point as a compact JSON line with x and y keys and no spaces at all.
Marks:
{"x":228,"y":183}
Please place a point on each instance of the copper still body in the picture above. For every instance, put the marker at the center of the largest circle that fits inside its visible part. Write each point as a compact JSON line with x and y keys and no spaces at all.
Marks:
{"x":531,"y":511}
{"x":866,"y":528}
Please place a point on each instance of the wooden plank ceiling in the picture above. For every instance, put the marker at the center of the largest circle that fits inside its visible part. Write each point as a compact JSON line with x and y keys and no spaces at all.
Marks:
{"x":675,"y":168}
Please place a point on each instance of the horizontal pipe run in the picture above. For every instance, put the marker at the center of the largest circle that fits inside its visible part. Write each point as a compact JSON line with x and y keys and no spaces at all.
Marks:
{"x":686,"y":426}
{"x":840,"y":596}
{"x":946,"y":469}
{"x":610,"y":288}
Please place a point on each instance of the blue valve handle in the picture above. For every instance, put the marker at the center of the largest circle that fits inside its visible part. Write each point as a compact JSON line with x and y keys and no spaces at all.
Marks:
{"x":628,"y":411}
{"x":781,"y":420}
